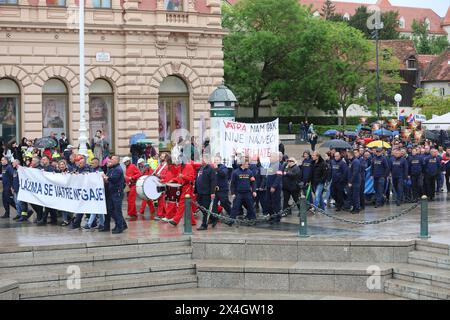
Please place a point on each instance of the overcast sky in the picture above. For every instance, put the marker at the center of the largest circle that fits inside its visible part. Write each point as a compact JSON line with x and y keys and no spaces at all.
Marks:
{"x":439,"y":6}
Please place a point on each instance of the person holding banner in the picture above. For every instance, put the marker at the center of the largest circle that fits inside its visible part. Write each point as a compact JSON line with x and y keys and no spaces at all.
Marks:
{"x":274,"y":185}
{"x":45,"y":165}
{"x":81,"y":168}
{"x":7,"y":181}
{"x":114,"y":182}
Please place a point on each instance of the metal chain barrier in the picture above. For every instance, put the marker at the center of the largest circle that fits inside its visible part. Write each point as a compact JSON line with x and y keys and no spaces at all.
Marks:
{"x":366,"y":222}
{"x":314,"y":209}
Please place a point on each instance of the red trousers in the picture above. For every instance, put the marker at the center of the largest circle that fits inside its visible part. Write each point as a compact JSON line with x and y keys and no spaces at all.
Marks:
{"x":131,"y":198}
{"x":148,"y":203}
{"x":180,"y":212}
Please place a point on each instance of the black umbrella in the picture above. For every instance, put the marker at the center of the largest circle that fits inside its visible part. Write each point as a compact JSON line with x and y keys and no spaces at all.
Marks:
{"x":430,"y":135}
{"x":44,"y":143}
{"x":337,"y":144}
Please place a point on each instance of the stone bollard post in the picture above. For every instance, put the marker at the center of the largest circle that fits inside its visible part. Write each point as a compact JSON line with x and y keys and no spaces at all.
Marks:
{"x":187,"y":215}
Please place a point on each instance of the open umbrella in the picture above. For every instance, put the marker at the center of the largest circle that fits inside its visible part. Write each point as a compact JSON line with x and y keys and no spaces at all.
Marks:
{"x":383,"y":132}
{"x":350,"y":133}
{"x":331,"y":132}
{"x":44,"y":143}
{"x":144,"y":141}
{"x":379,"y":144}
{"x":337,"y":144}
{"x":135,"y":137}
{"x":430,"y":135}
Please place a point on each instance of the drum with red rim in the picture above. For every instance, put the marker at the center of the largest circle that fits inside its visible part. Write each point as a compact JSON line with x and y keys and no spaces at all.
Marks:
{"x":173,"y":192}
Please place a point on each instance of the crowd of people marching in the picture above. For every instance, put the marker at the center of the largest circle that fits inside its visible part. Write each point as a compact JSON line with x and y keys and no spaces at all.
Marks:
{"x":338,"y":178}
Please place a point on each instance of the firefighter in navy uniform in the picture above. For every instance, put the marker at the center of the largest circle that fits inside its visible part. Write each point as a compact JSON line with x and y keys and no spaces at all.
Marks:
{"x":362,"y":186}
{"x":243,"y":191}
{"x":205,"y":186}
{"x":221,"y":190}
{"x":339,"y":172}
{"x":7,"y":181}
{"x":114,"y":185}
{"x":432,"y":168}
{"x":379,"y":171}
{"x":354,"y":181}
{"x":399,"y":173}
{"x":415,"y":172}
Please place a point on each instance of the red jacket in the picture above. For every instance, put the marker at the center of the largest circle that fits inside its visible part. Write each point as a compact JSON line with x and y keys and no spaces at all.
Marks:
{"x":132,"y":173}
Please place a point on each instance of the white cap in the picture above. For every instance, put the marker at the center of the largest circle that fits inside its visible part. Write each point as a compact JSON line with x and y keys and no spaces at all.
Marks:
{"x":141,"y":160}
{"x":71,"y":147}
{"x":125,"y":159}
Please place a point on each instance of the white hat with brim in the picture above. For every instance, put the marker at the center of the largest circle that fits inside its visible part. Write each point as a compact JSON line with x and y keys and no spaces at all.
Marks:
{"x":126,"y":159}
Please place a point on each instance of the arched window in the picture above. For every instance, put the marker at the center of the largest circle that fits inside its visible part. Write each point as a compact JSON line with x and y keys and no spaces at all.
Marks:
{"x":173,"y":5}
{"x":101,"y":104}
{"x":54,"y":108}
{"x":9,"y":110}
{"x":402,"y":23}
{"x":173,"y":107}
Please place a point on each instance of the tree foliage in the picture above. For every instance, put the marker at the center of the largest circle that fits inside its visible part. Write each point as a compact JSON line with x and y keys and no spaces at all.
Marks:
{"x":426,"y":44}
{"x":431,"y":102}
{"x":277,"y":50}
{"x":328,"y":9}
{"x":262,"y":34}
{"x":389,"y":18}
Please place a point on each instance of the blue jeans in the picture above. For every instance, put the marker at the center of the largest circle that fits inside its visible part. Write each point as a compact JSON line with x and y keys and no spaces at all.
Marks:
{"x":65,"y":215}
{"x":379,"y":186}
{"x":19,"y":205}
{"x":440,"y":182}
{"x":328,"y":193}
{"x":318,"y":200}
{"x":101,"y":219}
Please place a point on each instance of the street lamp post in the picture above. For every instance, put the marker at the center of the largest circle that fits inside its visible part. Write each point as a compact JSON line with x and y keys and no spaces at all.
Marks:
{"x":398,"y":99}
{"x":378,"y":26}
{"x":82,"y":139}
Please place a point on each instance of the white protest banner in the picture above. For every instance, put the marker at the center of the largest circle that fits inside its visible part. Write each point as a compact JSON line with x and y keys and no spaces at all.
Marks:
{"x":253,"y":139}
{"x":78,"y":193}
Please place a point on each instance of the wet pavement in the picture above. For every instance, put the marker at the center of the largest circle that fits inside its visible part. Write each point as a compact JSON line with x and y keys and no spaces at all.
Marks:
{"x":406,"y":227}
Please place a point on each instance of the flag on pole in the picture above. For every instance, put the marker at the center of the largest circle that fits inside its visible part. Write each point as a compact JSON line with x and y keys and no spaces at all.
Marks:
{"x":410,"y":119}
{"x":401,"y":115}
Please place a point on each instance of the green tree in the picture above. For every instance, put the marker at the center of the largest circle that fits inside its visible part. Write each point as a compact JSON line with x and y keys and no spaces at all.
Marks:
{"x":431,"y":102}
{"x":426,"y":44}
{"x":261,"y":36}
{"x":389,"y":18}
{"x":309,"y":82}
{"x":328,"y":9}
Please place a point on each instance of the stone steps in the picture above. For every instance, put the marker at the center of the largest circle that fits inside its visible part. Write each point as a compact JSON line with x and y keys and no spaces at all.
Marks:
{"x":58,"y":275}
{"x":23,"y":265}
{"x":103,"y":289}
{"x":421,"y":274}
{"x":432,"y":247}
{"x":15,"y":253}
{"x":290,"y":275}
{"x":429,"y":259}
{"x":416,"y":291}
{"x":104,"y":269}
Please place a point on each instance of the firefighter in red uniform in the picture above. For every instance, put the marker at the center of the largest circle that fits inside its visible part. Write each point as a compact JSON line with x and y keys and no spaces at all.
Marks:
{"x":145,"y":171}
{"x":132,"y":174}
{"x":186,"y":178}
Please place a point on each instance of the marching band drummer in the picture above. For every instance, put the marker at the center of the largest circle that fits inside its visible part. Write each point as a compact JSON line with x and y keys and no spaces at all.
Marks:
{"x":145,"y":171}
{"x":132,"y":174}
{"x":186,"y":178}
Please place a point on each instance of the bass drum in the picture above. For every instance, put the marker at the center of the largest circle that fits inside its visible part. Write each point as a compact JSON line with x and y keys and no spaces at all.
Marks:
{"x":173,"y":192}
{"x":149,"y":188}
